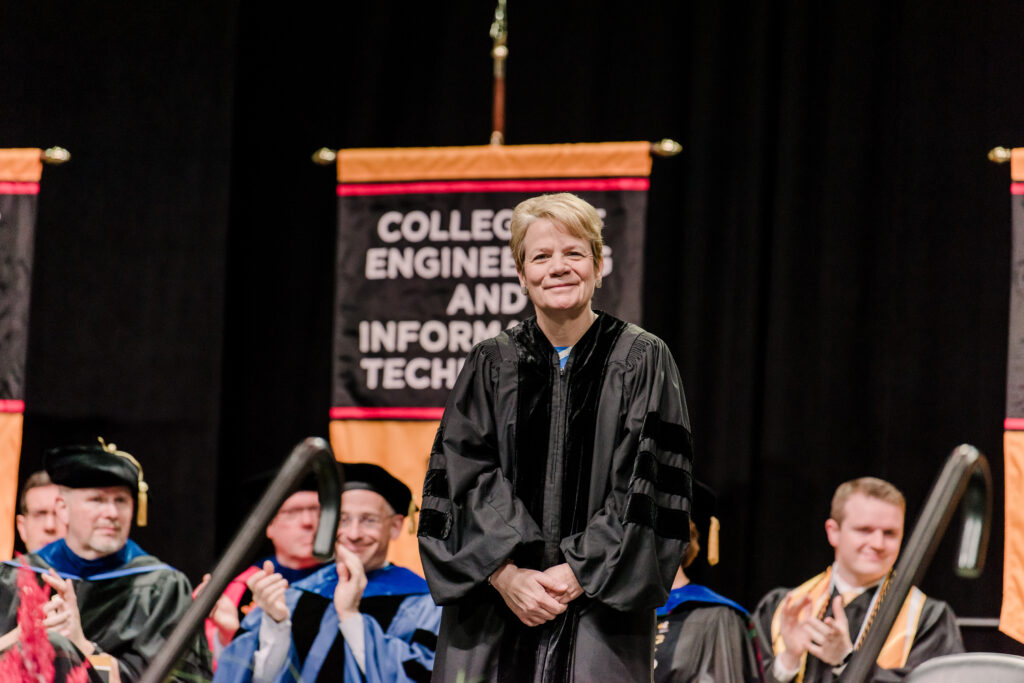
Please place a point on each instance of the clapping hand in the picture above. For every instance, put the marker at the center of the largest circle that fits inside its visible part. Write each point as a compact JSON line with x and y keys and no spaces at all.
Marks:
{"x":268,"y":589}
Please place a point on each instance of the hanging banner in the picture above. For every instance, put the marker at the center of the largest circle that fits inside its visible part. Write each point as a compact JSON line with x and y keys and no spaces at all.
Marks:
{"x":20,"y":172}
{"x":1011,"y":620}
{"x":424,"y":272}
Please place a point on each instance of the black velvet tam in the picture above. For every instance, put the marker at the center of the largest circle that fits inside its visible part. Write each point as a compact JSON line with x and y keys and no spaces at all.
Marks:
{"x":363,"y":475}
{"x":91,"y":466}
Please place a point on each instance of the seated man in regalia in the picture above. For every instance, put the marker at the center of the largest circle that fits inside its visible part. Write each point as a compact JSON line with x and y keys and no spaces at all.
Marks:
{"x":703,"y":636}
{"x":110,"y":595}
{"x":811,"y":631}
{"x":358,"y":619}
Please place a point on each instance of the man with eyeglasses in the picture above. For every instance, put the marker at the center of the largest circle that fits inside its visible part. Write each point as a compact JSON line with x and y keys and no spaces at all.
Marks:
{"x":359,"y":619}
{"x":291,"y":532}
{"x":37,"y":520}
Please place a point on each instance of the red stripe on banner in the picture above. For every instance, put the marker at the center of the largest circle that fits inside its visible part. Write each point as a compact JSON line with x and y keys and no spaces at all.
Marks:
{"x":457,"y":186}
{"x":354,"y":413}
{"x":1013,"y":424}
{"x":11,"y":405}
{"x":19,"y":188}
{"x":1016,"y":188}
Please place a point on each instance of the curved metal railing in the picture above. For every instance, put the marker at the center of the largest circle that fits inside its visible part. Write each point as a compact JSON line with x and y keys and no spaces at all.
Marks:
{"x":313,"y":453}
{"x":966,"y":478}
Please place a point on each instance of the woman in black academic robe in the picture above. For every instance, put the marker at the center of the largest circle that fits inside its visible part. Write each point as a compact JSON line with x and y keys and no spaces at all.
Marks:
{"x":555,"y":508}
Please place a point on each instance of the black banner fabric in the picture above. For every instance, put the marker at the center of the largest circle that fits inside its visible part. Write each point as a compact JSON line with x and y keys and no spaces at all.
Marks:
{"x":1015,"y":352}
{"x":17,"y":229}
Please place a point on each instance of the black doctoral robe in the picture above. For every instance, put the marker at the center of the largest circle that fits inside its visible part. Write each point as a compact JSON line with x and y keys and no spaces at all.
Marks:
{"x":128,"y":616}
{"x":704,"y":638}
{"x":589,"y":465}
{"x":937,"y":634}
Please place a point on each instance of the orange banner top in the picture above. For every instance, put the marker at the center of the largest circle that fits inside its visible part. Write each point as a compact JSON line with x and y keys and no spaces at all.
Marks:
{"x":578,"y":160}
{"x":1017,"y":164}
{"x":21,"y":165}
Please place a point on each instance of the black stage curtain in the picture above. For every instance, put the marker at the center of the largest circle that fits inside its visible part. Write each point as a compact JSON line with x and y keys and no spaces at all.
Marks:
{"x":828,"y":259}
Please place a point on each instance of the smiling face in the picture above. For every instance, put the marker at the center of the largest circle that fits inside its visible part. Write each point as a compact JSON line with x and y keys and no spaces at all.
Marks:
{"x":98,"y":519}
{"x":867,"y":540}
{"x":367,"y":526}
{"x":39,"y":525}
{"x":559,"y":271}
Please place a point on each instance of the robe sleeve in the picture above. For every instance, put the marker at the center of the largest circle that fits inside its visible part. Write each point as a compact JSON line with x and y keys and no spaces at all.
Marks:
{"x":411,"y":637}
{"x":629,"y":551}
{"x":762,"y":618}
{"x":235,"y":663}
{"x":471,"y":521}
{"x":406,"y":650}
{"x":714,"y":644}
{"x":147,"y":627}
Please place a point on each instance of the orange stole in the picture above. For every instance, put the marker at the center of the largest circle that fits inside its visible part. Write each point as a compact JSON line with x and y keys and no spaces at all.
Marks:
{"x":896,"y":648}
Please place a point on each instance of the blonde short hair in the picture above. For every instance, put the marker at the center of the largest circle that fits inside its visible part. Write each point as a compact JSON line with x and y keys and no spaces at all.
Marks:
{"x":872,"y":487}
{"x":575,"y":215}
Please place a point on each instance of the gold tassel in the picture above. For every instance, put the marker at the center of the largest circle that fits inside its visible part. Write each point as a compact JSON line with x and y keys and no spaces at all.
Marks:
{"x":143,"y":513}
{"x":713,"y":530}
{"x":411,"y":514}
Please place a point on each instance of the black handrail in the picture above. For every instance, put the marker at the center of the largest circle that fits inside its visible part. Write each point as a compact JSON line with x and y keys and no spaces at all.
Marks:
{"x":313,"y":453}
{"x":965,"y":476}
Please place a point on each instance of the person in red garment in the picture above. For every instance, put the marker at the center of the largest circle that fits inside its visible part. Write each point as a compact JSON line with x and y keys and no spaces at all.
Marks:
{"x":291,"y":533}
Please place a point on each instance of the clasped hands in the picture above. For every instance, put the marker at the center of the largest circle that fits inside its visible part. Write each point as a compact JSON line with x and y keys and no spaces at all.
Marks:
{"x":827,"y":639}
{"x":536,"y":597}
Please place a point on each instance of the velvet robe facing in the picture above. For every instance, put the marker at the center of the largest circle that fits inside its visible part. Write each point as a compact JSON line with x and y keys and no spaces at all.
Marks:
{"x":589,"y":465}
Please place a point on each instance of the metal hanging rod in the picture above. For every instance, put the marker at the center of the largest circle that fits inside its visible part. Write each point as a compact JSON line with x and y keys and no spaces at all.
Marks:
{"x":664,"y":148}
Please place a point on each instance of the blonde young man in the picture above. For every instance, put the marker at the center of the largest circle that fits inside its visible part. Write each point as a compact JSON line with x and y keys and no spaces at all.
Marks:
{"x":809,"y":632}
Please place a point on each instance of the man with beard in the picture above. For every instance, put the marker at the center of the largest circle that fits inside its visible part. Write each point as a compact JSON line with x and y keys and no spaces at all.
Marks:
{"x":111,"y":596}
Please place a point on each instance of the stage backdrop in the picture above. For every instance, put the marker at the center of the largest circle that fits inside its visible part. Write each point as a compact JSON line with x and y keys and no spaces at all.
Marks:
{"x":20,"y":171}
{"x":1011,"y":620}
{"x":424,"y":272}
